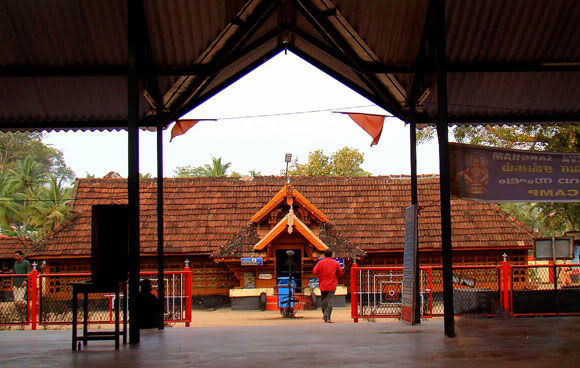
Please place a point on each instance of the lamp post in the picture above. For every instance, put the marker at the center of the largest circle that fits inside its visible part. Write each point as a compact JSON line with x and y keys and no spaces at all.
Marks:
{"x":290,"y":254}
{"x":287,"y":159}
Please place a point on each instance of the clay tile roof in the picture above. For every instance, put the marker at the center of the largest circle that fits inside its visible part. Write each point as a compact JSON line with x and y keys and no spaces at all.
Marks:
{"x":204,"y":214}
{"x":9,"y":245}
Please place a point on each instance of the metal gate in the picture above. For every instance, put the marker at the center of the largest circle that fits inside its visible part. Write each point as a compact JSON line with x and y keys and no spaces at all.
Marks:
{"x":377,"y":292}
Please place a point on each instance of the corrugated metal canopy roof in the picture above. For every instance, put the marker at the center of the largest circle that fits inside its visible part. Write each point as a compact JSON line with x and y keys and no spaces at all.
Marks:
{"x":63,"y":63}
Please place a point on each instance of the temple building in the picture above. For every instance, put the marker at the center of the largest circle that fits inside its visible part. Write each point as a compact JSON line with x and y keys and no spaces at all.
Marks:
{"x":236,"y":232}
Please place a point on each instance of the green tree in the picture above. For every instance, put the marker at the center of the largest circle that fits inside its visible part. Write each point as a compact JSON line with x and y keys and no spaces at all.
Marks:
{"x":51,"y":207}
{"x":8,"y":209}
{"x":318,"y":165}
{"x":32,"y":202}
{"x":26,"y":176}
{"x":16,"y":146}
{"x":217,"y":168}
{"x":190,"y":171}
{"x":344,"y":162}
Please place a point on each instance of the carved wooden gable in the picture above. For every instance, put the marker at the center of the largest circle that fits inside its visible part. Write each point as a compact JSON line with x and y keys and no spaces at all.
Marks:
{"x":289,"y":211}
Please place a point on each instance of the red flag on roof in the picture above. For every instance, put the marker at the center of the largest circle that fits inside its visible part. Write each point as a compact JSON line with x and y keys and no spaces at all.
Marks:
{"x":372,"y":124}
{"x":183,"y":125}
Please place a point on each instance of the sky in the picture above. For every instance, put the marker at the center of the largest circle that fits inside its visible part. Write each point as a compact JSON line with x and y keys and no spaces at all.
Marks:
{"x":298,"y":100}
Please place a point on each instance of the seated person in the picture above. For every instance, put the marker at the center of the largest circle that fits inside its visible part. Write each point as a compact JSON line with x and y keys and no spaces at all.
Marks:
{"x":148,"y":306}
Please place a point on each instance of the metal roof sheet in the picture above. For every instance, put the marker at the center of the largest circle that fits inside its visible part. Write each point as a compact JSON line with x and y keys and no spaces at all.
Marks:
{"x":63,"y":63}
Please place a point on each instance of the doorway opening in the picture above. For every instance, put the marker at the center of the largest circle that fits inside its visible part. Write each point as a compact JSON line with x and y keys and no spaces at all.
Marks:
{"x":283,"y":266}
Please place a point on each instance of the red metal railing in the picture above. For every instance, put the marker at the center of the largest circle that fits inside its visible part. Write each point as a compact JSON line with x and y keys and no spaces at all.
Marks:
{"x":49,"y":298}
{"x":502,"y":290}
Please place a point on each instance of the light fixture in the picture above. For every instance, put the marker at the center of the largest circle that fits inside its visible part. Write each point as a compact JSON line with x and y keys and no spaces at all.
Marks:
{"x":287,"y":159}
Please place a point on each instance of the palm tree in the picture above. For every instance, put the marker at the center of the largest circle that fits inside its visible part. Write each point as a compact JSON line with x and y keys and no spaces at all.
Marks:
{"x":26,"y":177}
{"x":52,"y":205}
{"x":8,"y":208}
{"x":217,"y":168}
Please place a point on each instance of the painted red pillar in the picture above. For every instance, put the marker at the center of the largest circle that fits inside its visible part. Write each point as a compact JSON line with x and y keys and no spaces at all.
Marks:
{"x":506,"y":270}
{"x":187,"y":294}
{"x":33,"y":282}
{"x":353,"y":297}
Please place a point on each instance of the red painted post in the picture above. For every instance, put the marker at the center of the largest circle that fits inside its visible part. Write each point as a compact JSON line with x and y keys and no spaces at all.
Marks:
{"x":430,"y":291}
{"x":33,"y":282}
{"x":353,"y":297}
{"x":111,"y":298}
{"x":506,"y":282}
{"x":187,"y":294}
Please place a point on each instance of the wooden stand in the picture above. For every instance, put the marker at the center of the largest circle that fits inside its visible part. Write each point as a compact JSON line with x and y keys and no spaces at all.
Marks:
{"x":86,"y":288}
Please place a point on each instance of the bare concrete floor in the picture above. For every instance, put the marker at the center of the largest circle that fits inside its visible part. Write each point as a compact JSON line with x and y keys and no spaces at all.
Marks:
{"x":538,"y":342}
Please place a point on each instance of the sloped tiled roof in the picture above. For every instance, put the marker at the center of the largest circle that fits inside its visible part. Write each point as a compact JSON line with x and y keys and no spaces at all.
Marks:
{"x":9,"y":245}
{"x":202,"y":214}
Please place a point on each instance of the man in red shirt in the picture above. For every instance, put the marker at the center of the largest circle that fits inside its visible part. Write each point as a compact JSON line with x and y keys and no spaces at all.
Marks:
{"x":328,"y":271}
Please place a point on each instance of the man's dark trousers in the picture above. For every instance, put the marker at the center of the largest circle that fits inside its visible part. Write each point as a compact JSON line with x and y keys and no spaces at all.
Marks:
{"x":327,"y":298}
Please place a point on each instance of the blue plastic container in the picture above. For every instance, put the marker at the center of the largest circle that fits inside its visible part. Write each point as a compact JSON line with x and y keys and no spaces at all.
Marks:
{"x":283,"y":292}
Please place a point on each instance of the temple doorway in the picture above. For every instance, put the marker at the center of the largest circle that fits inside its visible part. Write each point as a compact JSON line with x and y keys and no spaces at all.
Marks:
{"x":282,"y":265}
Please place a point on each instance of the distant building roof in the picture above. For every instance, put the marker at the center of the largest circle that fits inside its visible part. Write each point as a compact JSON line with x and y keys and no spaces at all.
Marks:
{"x":10,"y":244}
{"x":204,"y":214}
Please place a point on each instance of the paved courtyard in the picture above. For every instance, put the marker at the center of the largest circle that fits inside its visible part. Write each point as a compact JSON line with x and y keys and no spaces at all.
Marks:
{"x":534,"y":342}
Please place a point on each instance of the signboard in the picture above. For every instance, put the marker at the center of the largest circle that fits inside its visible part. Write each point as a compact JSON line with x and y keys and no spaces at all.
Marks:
{"x":252,"y":261}
{"x":313,"y":283}
{"x":563,"y":246}
{"x":265,"y":276}
{"x":500,"y":175}
{"x":339,"y":260}
{"x":463,"y":281}
{"x":248,"y":280}
{"x":408,"y":294}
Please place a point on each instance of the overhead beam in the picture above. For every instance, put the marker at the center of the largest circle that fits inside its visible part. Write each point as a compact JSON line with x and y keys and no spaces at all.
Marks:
{"x":27,"y":125}
{"x":183,"y":102}
{"x":499,"y":119}
{"x":49,"y":125}
{"x":152,"y":86}
{"x":327,"y":30}
{"x":207,"y":94}
{"x":480,"y":67}
{"x":339,"y":77}
{"x":39,"y":71}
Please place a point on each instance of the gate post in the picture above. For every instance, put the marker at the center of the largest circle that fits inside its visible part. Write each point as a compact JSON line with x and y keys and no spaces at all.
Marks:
{"x":353,"y":298}
{"x":506,"y":282}
{"x":33,"y":282}
{"x":187,"y":294}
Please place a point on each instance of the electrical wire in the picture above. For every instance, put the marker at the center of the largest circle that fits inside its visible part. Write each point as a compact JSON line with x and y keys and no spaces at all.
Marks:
{"x":296,"y":113}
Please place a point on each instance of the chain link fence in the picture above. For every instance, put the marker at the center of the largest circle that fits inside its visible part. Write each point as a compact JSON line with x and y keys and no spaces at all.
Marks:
{"x":14,"y":296}
{"x":545,"y":290}
{"x":476,"y":290}
{"x":46,"y":299}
